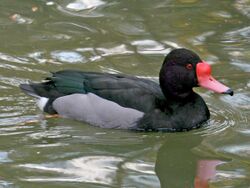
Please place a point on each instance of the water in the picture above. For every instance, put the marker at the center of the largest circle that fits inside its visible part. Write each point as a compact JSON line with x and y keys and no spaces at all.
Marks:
{"x":130,"y":37}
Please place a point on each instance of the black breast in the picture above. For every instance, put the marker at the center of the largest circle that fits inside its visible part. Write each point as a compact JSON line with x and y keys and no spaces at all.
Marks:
{"x":176,"y":116}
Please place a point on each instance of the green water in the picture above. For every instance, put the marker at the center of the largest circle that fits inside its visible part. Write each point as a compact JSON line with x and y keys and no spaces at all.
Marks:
{"x":130,"y":37}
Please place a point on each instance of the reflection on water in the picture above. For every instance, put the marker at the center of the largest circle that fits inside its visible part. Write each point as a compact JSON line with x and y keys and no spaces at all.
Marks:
{"x":98,"y":157}
{"x":122,"y":37}
{"x":243,"y":7}
{"x":67,"y":56}
{"x":4,"y":157}
{"x":84,"y":4}
{"x":91,"y":169}
{"x":235,"y":171}
{"x":150,"y":47}
{"x":84,"y":8}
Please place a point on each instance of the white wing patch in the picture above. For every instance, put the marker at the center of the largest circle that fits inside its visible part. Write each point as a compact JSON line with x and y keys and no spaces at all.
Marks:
{"x":41,"y":102}
{"x":97,"y":111}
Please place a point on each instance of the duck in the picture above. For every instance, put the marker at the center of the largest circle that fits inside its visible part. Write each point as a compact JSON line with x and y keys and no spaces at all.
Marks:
{"x":122,"y":101}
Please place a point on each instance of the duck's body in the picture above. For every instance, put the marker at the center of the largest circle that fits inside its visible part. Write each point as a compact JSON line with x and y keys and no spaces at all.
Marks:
{"x":128,"y":102}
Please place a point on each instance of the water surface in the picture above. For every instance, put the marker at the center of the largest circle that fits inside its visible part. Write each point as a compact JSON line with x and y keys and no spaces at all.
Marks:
{"x":129,"y":37}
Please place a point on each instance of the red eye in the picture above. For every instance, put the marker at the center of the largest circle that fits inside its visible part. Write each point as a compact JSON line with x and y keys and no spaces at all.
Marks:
{"x":189,"y":66}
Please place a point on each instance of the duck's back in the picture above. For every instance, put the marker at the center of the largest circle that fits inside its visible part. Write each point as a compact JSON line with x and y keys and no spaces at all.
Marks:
{"x":127,"y":91}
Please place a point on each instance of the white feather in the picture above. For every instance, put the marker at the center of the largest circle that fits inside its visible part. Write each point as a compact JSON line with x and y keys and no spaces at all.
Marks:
{"x":41,"y":102}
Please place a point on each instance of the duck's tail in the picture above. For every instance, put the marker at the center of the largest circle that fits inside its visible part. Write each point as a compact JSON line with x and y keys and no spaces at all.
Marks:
{"x":29,"y":90}
{"x":37,"y":90}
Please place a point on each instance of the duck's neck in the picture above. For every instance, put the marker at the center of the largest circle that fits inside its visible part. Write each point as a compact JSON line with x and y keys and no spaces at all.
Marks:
{"x":179,"y":96}
{"x":174,"y":86}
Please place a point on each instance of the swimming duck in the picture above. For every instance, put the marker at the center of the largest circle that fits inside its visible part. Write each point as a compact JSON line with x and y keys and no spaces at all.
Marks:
{"x":128,"y":102}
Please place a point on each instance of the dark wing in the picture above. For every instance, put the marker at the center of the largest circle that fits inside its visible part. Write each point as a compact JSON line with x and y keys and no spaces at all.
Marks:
{"x":127,"y":91}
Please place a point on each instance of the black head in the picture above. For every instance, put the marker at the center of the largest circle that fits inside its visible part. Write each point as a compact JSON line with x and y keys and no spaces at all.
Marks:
{"x":182,"y":70}
{"x":178,"y":73}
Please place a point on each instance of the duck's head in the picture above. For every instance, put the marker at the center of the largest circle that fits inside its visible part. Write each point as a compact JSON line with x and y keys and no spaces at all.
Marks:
{"x":182,"y":70}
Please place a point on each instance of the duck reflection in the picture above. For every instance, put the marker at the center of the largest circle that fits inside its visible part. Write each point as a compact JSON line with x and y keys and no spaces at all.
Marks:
{"x":178,"y":166}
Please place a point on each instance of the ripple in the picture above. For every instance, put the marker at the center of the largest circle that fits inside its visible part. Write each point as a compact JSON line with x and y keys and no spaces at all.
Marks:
{"x":109,"y":139}
{"x":109,"y":70}
{"x":4,"y":157}
{"x":237,"y":178}
{"x":18,"y":120}
{"x":10,"y":81}
{"x":241,"y":150}
{"x":7,"y":57}
{"x":72,"y":29}
{"x":51,"y":37}
{"x":49,"y":145}
{"x":150,"y":47}
{"x":172,"y":44}
{"x":240,"y":100}
{"x":92,"y":54}
{"x":244,"y":131}
{"x":79,"y":5}
{"x":19,"y":19}
{"x":243,"y":6}
{"x":6,"y":184}
{"x":68,"y":56}
{"x":132,"y":29}
{"x":118,"y":50}
{"x":223,"y":116}
{"x":37,"y":56}
{"x":221,"y":15}
{"x":91,"y":169}
{"x":200,"y":39}
{"x":188,"y":1}
{"x":48,"y":134}
{"x":242,"y":65}
{"x":9,"y":114}
{"x":231,"y":144}
{"x":238,"y":35}
{"x":82,"y":8}
{"x":147,"y":168}
{"x":50,"y":3}
{"x":229,"y":174}
{"x":14,"y":67}
{"x":10,"y":66}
